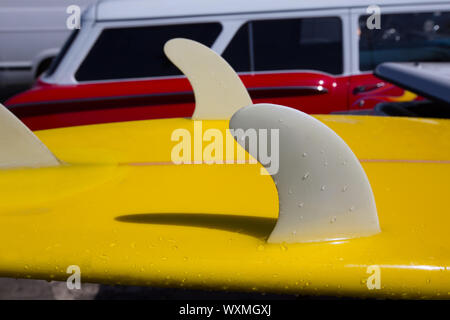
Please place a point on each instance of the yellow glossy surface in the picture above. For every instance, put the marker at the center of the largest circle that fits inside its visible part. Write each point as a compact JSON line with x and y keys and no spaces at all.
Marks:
{"x":125,"y":221}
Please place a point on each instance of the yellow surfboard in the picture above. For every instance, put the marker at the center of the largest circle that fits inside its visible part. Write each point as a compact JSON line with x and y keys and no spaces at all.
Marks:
{"x":119,"y":208}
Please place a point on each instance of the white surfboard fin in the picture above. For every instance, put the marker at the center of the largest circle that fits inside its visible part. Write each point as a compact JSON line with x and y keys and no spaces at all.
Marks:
{"x":218,"y":90}
{"x":323,"y":191}
{"x":19,"y":147}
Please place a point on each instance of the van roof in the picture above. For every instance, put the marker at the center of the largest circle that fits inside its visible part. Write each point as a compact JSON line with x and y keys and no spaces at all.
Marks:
{"x":144,"y":9}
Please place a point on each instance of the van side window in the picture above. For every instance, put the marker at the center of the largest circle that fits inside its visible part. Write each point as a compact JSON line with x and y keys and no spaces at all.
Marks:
{"x":137,"y":52}
{"x":288,"y":44}
{"x":405,"y":37}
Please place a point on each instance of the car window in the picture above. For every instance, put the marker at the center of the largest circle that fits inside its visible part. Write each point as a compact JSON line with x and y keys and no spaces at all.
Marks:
{"x":405,"y":37}
{"x":288,"y":44}
{"x":137,"y":52}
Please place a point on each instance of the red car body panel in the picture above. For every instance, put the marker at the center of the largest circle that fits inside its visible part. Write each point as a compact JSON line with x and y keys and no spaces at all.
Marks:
{"x":366,"y":91}
{"x":47,"y":106}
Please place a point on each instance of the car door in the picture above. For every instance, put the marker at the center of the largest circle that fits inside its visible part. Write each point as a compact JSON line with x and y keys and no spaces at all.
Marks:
{"x":406,"y":34}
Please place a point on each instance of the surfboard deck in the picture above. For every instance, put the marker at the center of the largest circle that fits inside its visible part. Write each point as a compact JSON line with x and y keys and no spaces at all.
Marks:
{"x":125,"y":215}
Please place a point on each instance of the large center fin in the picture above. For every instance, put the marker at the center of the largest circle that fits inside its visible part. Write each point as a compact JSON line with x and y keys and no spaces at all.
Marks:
{"x":218,"y":90}
{"x":323,"y":191}
{"x":19,"y":147}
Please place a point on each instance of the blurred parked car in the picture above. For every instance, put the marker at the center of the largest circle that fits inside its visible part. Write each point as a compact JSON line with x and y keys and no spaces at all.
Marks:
{"x":315,"y":56}
{"x":430,"y":80}
{"x":31,"y":34}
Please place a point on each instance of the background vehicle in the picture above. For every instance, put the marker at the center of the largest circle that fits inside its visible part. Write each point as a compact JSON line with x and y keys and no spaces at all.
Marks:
{"x":430,"y":80}
{"x":31,"y":33}
{"x":314,"y":56}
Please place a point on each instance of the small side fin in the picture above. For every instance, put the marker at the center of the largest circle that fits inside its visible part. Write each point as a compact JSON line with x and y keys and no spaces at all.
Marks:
{"x":19,"y":147}
{"x":218,"y":90}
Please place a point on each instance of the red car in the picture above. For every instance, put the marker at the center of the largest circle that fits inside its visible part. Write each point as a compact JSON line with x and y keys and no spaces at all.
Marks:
{"x":308,"y":56}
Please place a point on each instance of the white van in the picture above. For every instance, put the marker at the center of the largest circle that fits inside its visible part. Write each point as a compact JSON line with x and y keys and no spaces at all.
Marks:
{"x":31,"y":34}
